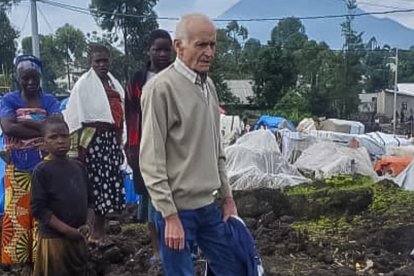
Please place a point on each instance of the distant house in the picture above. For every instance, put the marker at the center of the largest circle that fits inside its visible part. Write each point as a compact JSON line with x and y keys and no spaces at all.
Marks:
{"x":382,"y":102}
{"x":242,"y":89}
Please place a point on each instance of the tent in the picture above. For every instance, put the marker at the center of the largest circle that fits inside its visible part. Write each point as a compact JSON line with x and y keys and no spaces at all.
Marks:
{"x":255,"y":162}
{"x":273,"y":123}
{"x":231,"y":128}
{"x":327,"y":159}
{"x":344,"y":126}
{"x":406,"y":178}
{"x":392,"y":165}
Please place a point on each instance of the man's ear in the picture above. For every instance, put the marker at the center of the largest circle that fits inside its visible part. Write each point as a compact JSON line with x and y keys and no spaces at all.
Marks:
{"x":178,"y":45}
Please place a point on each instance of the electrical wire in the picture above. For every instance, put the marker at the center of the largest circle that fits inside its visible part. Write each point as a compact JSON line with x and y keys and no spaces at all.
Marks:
{"x":331,"y":16}
{"x":45,"y":19}
{"x":25,"y":19}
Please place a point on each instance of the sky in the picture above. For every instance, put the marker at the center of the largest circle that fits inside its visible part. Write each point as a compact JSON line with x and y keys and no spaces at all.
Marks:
{"x":50,"y":18}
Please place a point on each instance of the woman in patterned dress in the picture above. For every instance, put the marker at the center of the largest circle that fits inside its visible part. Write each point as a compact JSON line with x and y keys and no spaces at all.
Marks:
{"x":21,"y":114}
{"x":95,"y":117}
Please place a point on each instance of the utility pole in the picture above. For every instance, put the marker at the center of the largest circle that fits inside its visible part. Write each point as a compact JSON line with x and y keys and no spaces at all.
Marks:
{"x":395,"y":92}
{"x":35,"y":29}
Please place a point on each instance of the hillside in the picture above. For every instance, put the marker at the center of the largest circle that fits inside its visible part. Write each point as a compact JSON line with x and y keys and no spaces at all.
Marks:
{"x":386,"y":31}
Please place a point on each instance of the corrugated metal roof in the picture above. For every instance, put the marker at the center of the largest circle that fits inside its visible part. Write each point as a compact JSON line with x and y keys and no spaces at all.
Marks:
{"x":406,"y":89}
{"x":243,"y":89}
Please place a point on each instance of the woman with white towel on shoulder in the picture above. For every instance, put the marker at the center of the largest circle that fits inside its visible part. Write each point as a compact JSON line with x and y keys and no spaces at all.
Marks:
{"x":95,"y":116}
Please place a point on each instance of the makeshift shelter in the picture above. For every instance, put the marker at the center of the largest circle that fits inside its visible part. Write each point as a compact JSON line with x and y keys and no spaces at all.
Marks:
{"x":344,"y":126}
{"x":327,"y":159}
{"x":254,"y":161}
{"x":406,"y":178}
{"x":293,"y":144}
{"x":231,"y":128}
{"x":392,"y":165}
{"x":273,"y":123}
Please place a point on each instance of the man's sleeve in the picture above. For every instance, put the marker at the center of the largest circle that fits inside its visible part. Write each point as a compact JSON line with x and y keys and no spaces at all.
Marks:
{"x":39,"y":200}
{"x":225,"y":189}
{"x":154,"y":104}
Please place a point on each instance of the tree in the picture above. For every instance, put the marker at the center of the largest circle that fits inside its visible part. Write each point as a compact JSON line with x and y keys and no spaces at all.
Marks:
{"x":135,"y":19}
{"x":275,"y":73}
{"x":7,"y":49}
{"x":351,"y":70}
{"x":6,"y":4}
{"x":377,"y":74}
{"x":294,"y":105}
{"x":72,"y":43}
{"x":406,"y":65}
{"x":52,"y":60}
{"x":289,"y":33}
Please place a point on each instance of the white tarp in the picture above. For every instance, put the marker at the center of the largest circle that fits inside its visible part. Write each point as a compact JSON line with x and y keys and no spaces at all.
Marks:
{"x":231,"y":128}
{"x":254,"y":161}
{"x":294,"y":143}
{"x":327,"y":159}
{"x":344,"y":126}
{"x":406,"y":178}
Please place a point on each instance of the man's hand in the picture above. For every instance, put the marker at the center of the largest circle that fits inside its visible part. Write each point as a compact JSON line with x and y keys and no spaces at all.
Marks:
{"x":85,"y":231}
{"x":174,"y":232}
{"x":229,"y":208}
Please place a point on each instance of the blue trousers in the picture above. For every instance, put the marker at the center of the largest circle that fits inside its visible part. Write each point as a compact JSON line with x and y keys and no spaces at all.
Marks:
{"x":205,"y":227}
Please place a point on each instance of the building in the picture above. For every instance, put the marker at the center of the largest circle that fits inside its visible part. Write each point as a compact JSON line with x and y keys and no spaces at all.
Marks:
{"x":382,"y":102}
{"x":242,"y":89}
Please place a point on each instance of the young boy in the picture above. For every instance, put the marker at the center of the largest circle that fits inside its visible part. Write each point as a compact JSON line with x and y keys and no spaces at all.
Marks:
{"x":61,"y":201}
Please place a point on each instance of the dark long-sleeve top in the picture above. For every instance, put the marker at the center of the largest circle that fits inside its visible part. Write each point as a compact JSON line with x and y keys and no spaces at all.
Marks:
{"x":60,"y":187}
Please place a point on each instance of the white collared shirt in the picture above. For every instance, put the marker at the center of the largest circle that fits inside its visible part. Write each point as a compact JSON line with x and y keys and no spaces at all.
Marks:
{"x":192,"y":76}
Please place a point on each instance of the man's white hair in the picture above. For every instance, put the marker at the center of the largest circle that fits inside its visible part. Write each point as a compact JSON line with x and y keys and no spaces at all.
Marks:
{"x":181,"y":30}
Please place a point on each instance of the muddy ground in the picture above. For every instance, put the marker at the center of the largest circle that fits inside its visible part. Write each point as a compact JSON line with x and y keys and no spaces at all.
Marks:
{"x":362,"y":244}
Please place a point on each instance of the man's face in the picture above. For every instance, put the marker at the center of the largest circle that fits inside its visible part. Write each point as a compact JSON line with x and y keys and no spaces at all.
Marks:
{"x":29,"y":81}
{"x":56,"y":140}
{"x":100,"y":63}
{"x":198,"y":51}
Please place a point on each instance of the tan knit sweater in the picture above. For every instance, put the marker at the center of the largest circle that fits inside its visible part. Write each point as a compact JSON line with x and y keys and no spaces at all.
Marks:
{"x":181,"y":156}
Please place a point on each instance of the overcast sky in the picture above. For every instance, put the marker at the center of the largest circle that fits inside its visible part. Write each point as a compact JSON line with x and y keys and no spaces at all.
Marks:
{"x":50,"y":18}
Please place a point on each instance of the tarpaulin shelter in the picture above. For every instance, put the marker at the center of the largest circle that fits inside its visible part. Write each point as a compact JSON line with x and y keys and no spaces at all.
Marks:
{"x":273,"y":123}
{"x":344,"y":126}
{"x":254,"y":161}
{"x":392,"y":165}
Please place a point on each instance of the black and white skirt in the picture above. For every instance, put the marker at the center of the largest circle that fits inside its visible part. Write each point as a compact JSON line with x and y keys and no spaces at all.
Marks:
{"x":103,"y":162}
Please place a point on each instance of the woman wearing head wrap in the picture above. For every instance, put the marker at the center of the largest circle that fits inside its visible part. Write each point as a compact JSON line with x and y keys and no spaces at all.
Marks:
{"x":21,"y":115}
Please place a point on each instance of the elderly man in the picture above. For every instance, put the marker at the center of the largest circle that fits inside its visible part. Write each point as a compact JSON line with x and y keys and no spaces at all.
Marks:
{"x":183,"y":162}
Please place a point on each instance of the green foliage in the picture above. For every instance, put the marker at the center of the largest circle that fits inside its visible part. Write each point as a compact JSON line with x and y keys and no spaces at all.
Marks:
{"x":135,"y":30}
{"x":294,"y":105}
{"x":389,"y":202}
{"x":7,"y":48}
{"x":324,"y":227}
{"x":52,"y":59}
{"x":72,"y":43}
{"x":289,"y":34}
{"x":274,"y":75}
{"x":406,"y":65}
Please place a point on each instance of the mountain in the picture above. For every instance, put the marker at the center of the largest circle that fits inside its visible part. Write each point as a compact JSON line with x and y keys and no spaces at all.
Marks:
{"x":386,"y":31}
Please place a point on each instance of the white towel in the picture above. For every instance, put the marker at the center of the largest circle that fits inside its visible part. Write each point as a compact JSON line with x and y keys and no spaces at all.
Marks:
{"x":88,"y":101}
